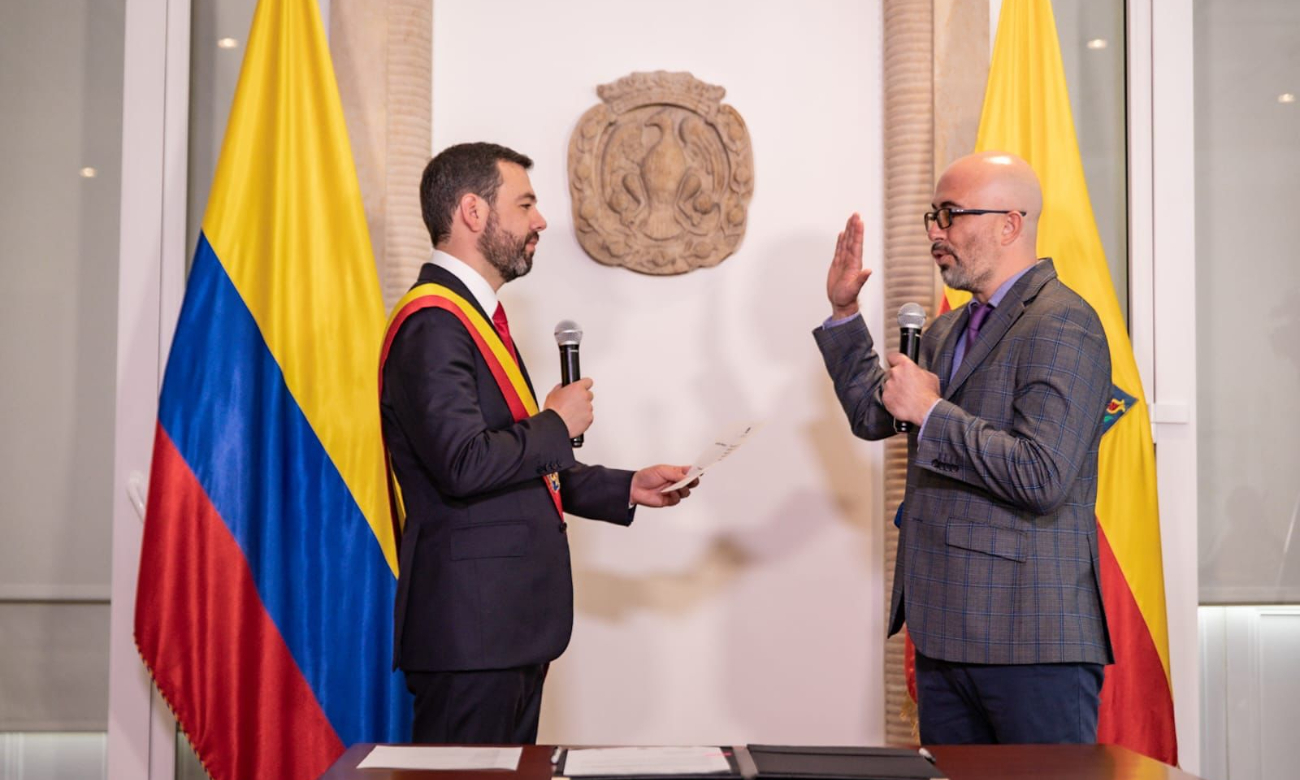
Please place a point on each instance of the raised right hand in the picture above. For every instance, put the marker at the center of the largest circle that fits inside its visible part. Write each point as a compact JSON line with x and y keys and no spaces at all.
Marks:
{"x":846,"y":276}
{"x":573,"y":403}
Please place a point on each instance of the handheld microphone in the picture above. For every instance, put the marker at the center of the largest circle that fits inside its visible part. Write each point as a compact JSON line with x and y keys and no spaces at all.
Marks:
{"x":568,"y":335}
{"x":911,"y":318}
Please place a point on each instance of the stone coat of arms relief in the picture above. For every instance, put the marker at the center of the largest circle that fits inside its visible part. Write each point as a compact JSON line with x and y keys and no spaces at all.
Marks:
{"x":661,"y":174}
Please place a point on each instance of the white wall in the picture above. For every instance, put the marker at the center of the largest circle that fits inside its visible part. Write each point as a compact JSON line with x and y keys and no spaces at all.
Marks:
{"x":753,"y":613}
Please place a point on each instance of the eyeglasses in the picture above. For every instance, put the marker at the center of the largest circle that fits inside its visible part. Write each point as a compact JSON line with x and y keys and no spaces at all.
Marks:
{"x":944,"y":216}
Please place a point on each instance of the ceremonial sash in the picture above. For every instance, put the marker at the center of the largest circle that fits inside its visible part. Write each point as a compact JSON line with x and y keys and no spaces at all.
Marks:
{"x":505,"y":369}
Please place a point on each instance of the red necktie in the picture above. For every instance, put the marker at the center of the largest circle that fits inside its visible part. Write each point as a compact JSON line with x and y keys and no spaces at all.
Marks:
{"x":503,"y":329}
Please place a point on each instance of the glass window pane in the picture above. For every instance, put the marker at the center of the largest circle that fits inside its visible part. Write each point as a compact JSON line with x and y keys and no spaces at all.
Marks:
{"x":61,"y":88}
{"x":61,"y":137}
{"x":1093,"y":51}
{"x":218,"y":35}
{"x":53,"y":756}
{"x":1247,"y":299}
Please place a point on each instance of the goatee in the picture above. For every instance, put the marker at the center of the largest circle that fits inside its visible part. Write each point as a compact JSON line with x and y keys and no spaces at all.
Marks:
{"x":954,"y":274}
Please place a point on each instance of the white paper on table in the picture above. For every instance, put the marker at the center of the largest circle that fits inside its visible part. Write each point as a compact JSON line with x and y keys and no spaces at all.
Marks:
{"x":617,"y":761}
{"x":456,"y":758}
{"x":719,"y":449}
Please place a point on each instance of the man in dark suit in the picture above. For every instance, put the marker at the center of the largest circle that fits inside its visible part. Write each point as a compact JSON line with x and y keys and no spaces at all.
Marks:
{"x":997,"y":571}
{"x":485,"y":593}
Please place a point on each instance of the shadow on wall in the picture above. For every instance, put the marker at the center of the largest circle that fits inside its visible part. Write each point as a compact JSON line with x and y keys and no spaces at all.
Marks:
{"x":789,"y":595}
{"x":796,"y":634}
{"x":823,"y":616}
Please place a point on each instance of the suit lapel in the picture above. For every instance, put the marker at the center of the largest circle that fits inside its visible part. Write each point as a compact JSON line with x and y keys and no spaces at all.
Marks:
{"x":948,"y":349}
{"x":994,"y":328}
{"x":1004,"y":315}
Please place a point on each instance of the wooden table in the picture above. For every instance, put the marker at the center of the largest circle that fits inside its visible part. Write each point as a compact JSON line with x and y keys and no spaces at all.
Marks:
{"x":1059,"y":762}
{"x":961,"y":762}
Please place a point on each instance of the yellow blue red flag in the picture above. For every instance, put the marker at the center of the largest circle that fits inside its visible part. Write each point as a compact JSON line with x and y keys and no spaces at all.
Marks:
{"x":268,"y":569}
{"x":1027,"y":112}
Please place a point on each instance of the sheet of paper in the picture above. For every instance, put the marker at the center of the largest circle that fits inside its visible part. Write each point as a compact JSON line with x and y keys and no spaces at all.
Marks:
{"x":426,"y":757}
{"x":617,"y":761}
{"x":719,"y":449}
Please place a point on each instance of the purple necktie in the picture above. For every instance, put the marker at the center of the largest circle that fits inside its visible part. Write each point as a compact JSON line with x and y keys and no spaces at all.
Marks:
{"x":978,"y":315}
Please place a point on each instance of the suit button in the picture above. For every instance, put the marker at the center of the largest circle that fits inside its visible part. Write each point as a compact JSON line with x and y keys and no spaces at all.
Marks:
{"x":936,"y":463}
{"x":564,"y":527}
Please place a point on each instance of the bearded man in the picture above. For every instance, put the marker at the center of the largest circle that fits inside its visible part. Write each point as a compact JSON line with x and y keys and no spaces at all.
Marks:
{"x":482,"y":477}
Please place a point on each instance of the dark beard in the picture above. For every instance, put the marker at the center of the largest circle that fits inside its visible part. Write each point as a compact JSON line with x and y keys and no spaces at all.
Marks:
{"x":504,"y":252}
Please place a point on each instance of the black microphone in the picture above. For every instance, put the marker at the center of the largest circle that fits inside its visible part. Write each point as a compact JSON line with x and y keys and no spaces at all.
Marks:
{"x":569,"y":335}
{"x":911,"y":318}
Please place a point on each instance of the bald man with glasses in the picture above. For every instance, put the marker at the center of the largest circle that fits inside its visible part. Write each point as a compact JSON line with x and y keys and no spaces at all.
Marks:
{"x":997,"y":575}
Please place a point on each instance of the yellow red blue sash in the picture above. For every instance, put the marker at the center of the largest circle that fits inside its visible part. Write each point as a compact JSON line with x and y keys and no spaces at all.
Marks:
{"x":505,"y":369}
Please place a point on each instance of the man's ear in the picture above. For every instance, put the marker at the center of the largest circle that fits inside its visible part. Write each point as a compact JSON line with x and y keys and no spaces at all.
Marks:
{"x":1012,"y":227}
{"x":473,"y":212}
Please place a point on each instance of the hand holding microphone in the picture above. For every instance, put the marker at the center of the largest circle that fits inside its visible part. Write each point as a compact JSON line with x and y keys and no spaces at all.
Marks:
{"x":573,"y":403}
{"x":576,"y":401}
{"x":911,"y":318}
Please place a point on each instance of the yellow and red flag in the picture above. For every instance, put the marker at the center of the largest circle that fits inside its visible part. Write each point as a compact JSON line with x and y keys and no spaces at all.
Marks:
{"x":1027,"y":112}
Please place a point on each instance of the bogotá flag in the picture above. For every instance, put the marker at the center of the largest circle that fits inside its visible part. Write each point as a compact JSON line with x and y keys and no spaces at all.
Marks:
{"x":1027,"y":113}
{"x":268,"y":568}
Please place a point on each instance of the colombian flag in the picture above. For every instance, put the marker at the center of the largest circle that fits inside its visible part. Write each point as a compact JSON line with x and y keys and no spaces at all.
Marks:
{"x":1027,"y":112}
{"x":268,"y":568}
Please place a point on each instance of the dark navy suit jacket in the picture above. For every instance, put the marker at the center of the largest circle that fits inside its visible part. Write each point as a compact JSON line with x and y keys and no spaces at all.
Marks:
{"x":485,"y":580}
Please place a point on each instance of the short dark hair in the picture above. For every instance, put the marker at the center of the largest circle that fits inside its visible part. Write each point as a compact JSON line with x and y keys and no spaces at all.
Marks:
{"x":458,"y":170}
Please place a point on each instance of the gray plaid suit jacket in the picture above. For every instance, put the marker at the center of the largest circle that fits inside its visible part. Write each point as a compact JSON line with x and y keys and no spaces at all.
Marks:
{"x":997,"y":552}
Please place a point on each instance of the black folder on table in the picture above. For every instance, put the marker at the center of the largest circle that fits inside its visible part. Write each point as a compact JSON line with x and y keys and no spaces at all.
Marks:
{"x":787,"y":762}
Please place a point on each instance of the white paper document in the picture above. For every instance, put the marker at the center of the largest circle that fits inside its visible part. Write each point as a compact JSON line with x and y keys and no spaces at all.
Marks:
{"x":617,"y":761}
{"x":719,"y":449}
{"x":456,"y":758}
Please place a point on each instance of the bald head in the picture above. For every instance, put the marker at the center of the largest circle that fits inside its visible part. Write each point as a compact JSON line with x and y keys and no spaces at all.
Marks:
{"x":998,"y":180}
{"x":996,"y":201}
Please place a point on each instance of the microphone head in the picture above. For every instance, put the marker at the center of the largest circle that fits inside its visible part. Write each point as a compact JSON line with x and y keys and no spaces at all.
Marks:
{"x":911,"y":315}
{"x":568,"y":333}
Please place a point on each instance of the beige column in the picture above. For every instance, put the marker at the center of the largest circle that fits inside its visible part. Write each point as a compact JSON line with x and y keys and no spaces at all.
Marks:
{"x":961,"y":74}
{"x":383,"y":57}
{"x":908,"y":274}
{"x":935,"y":68}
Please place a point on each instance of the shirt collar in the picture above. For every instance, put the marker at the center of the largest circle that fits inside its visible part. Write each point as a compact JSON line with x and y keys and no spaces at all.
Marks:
{"x":1004,"y":288}
{"x":479,"y":287}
